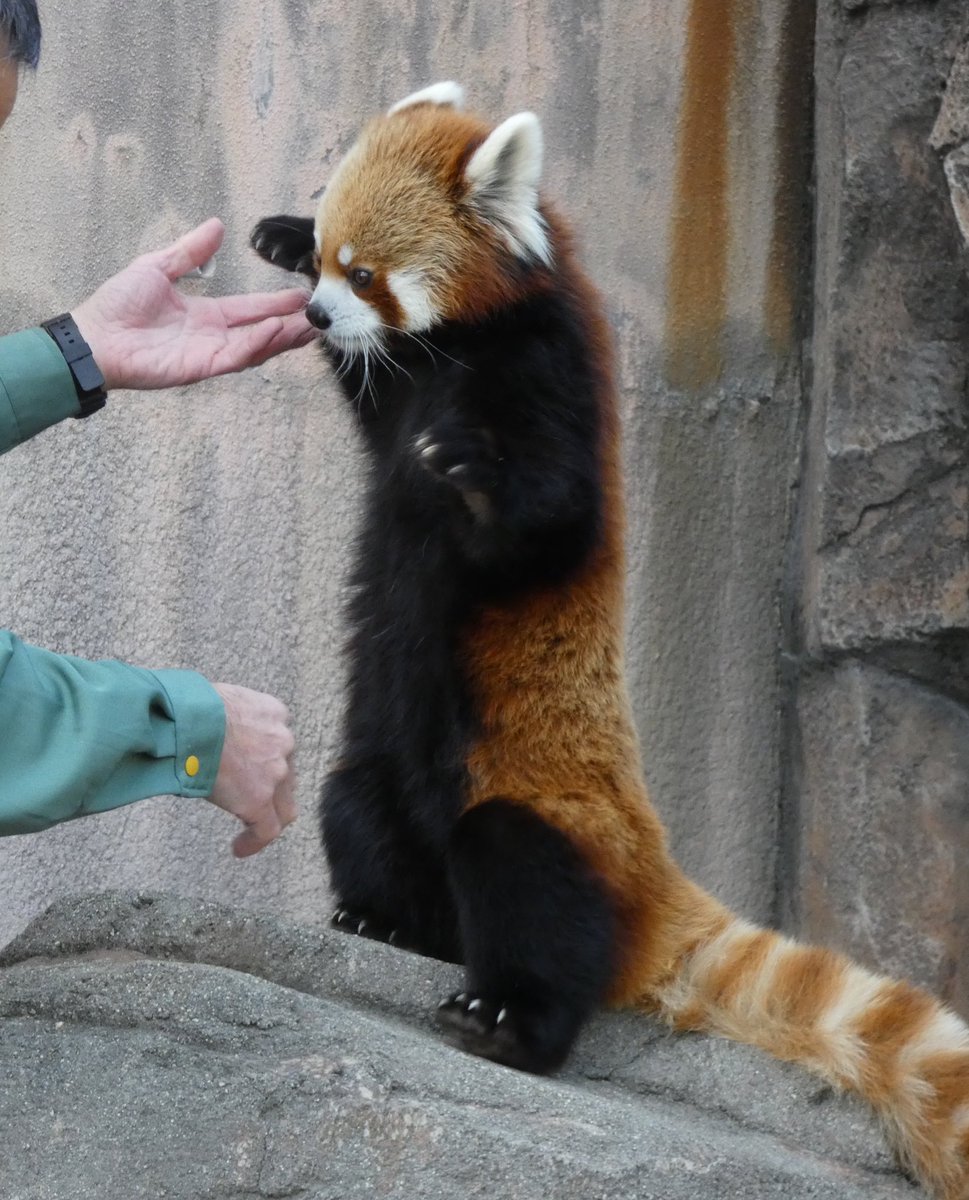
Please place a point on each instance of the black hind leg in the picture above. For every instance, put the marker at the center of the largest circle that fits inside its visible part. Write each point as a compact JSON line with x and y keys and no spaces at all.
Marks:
{"x":388,"y":887}
{"x":538,"y":935}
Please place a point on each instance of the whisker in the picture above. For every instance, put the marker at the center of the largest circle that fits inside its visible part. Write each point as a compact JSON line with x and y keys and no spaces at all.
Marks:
{"x":384,"y":356}
{"x":432,"y":350}
{"x":367,"y":374}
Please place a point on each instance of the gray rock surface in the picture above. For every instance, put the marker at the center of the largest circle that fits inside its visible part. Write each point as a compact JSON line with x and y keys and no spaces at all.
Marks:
{"x":874,"y":842}
{"x":950,"y":136}
{"x":890,"y":354}
{"x":900,"y":798}
{"x":159,"y":1048}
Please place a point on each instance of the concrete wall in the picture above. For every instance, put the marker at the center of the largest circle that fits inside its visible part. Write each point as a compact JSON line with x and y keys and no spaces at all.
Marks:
{"x":210,"y":528}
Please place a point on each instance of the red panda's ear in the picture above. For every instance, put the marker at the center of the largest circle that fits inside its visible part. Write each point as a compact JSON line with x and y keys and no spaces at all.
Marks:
{"x":449,"y":94}
{"x":502,"y":177}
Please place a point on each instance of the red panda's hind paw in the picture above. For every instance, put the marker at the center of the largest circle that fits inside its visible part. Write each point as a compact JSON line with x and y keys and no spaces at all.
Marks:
{"x":480,"y":1027}
{"x":497,"y":1031}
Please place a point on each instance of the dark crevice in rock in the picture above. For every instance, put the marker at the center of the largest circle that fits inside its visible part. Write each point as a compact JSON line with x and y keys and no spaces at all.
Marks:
{"x":923,"y":479}
{"x":856,"y":8}
{"x":939,"y":663}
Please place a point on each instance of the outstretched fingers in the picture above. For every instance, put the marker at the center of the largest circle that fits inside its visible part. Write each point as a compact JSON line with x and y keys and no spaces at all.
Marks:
{"x":250,"y":345}
{"x":256,"y":306}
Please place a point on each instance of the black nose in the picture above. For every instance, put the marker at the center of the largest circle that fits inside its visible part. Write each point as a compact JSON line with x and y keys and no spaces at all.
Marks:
{"x":318,"y":316}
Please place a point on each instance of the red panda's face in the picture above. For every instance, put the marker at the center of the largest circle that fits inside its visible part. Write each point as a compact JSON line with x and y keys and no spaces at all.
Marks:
{"x":429,"y":218}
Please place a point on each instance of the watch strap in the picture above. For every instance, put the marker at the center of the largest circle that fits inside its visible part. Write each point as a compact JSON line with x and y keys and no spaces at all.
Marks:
{"x":88,"y":380}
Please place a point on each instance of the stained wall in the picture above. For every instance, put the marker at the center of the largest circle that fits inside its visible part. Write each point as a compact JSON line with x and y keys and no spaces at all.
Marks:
{"x":211,"y":527}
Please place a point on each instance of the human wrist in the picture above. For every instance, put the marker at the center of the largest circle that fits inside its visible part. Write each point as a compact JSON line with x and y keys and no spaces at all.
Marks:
{"x":199,"y":714}
{"x":86,"y":374}
{"x":96,"y":339}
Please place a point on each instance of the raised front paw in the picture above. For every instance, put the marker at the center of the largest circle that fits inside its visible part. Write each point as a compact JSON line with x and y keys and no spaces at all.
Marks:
{"x":462,"y":455}
{"x":286,"y":242}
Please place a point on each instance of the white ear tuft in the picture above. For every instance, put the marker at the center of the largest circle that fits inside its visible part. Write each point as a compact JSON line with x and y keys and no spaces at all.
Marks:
{"x":449,"y":94}
{"x":503,"y":175}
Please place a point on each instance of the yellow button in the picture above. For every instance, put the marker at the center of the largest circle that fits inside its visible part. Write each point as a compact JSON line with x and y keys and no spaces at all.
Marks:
{"x":191,"y":765}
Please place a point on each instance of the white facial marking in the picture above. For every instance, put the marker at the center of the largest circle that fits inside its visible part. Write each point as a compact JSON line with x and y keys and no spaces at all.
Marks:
{"x":413,"y":296}
{"x":355,"y":326}
{"x":345,"y":255}
{"x":450,"y":94}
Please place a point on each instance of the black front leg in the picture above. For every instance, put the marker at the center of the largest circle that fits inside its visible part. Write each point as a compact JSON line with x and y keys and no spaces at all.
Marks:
{"x":387,"y":886}
{"x":287,"y":242}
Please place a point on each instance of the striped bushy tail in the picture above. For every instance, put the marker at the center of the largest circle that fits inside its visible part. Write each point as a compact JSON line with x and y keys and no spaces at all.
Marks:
{"x":889,"y":1042}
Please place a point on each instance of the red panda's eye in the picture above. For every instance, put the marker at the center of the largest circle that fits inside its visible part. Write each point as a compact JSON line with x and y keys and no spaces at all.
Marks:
{"x":360,"y":277}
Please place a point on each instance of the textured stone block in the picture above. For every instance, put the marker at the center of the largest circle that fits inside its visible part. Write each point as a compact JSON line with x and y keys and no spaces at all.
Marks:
{"x":889,"y":549}
{"x":902,"y":571}
{"x":884,"y":825}
{"x":952,"y":124}
{"x":957,"y":173}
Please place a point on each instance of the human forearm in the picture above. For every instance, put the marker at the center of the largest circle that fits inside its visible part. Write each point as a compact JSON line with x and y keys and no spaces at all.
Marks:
{"x":81,"y":737}
{"x":36,"y":388}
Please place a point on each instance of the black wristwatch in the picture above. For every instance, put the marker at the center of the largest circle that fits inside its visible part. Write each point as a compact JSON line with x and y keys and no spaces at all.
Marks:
{"x":88,"y":380}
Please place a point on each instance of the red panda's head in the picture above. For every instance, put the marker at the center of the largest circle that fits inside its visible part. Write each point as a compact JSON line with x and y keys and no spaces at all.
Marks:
{"x":433,"y":216}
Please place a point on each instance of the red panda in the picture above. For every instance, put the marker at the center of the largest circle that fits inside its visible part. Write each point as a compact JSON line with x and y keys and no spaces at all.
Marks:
{"x":488,"y":804}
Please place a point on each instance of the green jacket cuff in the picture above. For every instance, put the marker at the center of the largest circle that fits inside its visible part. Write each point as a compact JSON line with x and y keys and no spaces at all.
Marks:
{"x":198,"y":716}
{"x":79,"y":737}
{"x":36,"y":388}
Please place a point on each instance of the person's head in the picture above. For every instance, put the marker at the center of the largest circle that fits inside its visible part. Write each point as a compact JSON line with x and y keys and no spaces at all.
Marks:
{"x":19,"y":44}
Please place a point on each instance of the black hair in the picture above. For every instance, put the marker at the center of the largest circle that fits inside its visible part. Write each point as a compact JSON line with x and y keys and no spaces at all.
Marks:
{"x":20,"y":26}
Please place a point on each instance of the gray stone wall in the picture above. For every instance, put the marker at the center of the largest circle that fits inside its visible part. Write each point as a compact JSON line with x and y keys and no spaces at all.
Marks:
{"x":877,"y":828}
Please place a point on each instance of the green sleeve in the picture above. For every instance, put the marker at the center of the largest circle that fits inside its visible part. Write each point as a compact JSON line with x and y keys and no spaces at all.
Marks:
{"x":36,"y":388}
{"x":81,"y":737}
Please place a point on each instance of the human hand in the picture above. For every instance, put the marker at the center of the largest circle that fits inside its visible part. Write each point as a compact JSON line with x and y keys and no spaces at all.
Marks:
{"x":255,"y":781}
{"x":145,"y":333}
